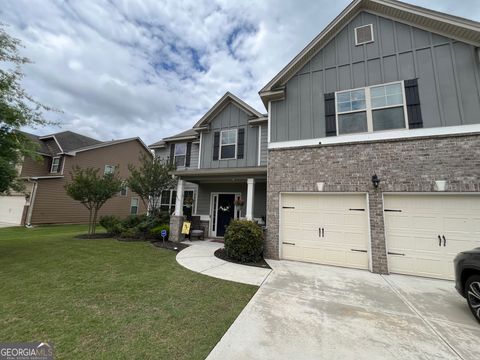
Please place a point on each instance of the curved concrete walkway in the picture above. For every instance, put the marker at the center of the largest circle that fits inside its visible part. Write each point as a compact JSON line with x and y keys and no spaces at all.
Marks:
{"x":199,"y":257}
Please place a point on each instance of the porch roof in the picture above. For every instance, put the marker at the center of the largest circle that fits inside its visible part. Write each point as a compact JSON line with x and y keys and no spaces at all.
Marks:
{"x":222,"y":174}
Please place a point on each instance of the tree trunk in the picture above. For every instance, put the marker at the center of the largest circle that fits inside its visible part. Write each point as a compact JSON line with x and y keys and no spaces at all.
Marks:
{"x":90,"y":221}
{"x":95,"y":221}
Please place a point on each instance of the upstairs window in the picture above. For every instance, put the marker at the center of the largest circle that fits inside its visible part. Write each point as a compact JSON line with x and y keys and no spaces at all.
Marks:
{"x":55,"y":168}
{"x":364,"y":34}
{"x":352,"y":112}
{"x":109,"y":169}
{"x":180,"y":154}
{"x":374,"y":108}
{"x":228,"y":144}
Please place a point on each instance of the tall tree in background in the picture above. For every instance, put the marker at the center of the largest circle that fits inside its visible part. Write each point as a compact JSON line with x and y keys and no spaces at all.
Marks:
{"x":152,"y":177}
{"x":93,"y":190}
{"x":17,"y":109}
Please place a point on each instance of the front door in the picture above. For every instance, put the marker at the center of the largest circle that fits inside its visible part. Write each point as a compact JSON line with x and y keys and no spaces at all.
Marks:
{"x":225,"y":212}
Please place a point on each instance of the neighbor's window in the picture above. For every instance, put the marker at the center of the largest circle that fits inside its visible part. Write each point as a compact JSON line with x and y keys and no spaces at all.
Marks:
{"x":109,"y":169}
{"x":134,"y":206}
{"x":124,"y":190}
{"x":55,"y":165}
{"x":374,"y":108}
{"x":180,"y":154}
{"x":228,"y":144}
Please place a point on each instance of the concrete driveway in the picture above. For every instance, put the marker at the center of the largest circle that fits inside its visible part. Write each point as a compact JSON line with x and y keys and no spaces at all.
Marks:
{"x":305,"y":311}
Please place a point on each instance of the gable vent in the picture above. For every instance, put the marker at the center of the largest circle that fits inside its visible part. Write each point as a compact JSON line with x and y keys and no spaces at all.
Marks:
{"x":364,"y":34}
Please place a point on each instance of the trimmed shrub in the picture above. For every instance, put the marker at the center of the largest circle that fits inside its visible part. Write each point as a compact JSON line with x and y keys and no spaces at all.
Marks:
{"x":156,"y":231}
{"x":129,"y":233}
{"x":112,"y":224}
{"x":244,"y":241}
{"x":133,"y":220}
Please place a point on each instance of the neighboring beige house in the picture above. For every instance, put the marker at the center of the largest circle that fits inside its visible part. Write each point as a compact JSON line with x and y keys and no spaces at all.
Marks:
{"x":46,"y":201}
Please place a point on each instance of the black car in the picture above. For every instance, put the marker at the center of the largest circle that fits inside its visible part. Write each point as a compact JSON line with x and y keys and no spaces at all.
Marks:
{"x":467,"y":278}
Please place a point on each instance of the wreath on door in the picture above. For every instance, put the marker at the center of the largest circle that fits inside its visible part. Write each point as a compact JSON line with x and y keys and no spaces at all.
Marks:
{"x":224,"y":208}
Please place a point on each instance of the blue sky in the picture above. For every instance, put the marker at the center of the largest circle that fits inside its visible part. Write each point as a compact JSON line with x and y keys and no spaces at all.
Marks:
{"x":151,"y":68}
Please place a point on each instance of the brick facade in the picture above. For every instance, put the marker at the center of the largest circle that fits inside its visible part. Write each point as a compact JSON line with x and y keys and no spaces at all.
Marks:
{"x":404,"y":165}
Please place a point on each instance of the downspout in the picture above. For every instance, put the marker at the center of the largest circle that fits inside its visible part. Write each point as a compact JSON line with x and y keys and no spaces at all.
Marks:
{"x":32,"y":201}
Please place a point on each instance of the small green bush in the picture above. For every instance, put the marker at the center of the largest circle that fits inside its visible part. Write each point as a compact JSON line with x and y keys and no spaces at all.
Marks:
{"x":156,"y":231}
{"x":133,"y":220}
{"x":244,"y":241}
{"x":129,"y":233}
{"x":112,"y":224}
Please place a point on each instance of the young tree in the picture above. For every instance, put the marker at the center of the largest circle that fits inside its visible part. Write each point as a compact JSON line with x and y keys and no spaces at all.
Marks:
{"x":150,"y":179}
{"x":17,"y":109}
{"x":93,"y":191}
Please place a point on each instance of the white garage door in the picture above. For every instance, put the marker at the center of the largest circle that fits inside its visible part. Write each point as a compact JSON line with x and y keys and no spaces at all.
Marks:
{"x":325,"y":229}
{"x":425,"y":232}
{"x":11,"y":209}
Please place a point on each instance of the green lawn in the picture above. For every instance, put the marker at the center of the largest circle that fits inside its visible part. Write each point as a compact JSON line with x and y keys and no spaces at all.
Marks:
{"x":106,"y":299}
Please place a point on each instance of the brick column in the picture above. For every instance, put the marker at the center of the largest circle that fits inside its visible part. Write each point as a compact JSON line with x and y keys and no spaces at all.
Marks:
{"x":377,"y":229}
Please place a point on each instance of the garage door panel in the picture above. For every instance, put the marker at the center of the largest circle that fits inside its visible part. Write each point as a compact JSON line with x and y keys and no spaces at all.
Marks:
{"x":414,"y":231}
{"x":343,"y":229}
{"x":11,"y":209}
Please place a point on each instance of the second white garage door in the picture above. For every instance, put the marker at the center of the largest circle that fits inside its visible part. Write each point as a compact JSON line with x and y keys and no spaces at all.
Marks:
{"x":425,"y":232}
{"x":325,"y":228}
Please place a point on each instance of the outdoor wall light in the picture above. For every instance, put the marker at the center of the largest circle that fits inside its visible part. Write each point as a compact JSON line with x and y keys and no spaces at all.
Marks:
{"x":375,"y":181}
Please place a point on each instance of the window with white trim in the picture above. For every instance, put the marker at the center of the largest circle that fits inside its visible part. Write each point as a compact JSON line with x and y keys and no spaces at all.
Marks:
{"x":228,"y":144}
{"x":55,"y":168}
{"x":134,"y":206}
{"x":109,"y":169}
{"x":373,"y":108}
{"x":180,"y":154}
{"x":169,"y":198}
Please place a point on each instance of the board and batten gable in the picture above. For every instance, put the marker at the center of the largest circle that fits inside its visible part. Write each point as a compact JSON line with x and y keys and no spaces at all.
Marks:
{"x":230,"y":117}
{"x":448,"y":73}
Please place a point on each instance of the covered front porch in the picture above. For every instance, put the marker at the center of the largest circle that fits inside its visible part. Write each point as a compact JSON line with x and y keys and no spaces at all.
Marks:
{"x":221,"y":195}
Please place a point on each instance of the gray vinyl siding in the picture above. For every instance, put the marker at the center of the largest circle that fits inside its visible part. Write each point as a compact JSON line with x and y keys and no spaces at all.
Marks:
{"x":164,"y":153}
{"x":264,"y":145}
{"x":448,"y":77}
{"x":231,"y":117}
{"x":205,"y":191}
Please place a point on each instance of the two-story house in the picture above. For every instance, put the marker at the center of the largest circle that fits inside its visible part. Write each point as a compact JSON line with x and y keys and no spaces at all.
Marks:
{"x":374,"y":143}
{"x":221,"y":165}
{"x":373,"y":136}
{"x":46,"y":201}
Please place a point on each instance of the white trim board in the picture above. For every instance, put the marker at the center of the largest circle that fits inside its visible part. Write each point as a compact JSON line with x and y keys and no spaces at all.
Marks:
{"x":380,"y":135}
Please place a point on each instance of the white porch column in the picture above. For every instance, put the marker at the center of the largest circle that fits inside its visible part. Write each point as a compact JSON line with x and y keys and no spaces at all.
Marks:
{"x":179,"y":199}
{"x":250,"y":192}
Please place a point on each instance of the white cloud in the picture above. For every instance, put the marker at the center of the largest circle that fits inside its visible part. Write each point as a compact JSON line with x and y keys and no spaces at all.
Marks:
{"x":152,"y":68}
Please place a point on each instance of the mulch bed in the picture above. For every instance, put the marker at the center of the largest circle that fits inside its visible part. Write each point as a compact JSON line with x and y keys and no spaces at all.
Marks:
{"x":93,"y":237}
{"x":222,"y":254}
{"x":169,"y":245}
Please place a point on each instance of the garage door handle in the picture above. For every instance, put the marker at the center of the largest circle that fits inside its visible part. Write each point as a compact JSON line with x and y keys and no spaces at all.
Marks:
{"x":288,"y":243}
{"x":444,"y":241}
{"x":357,"y":250}
{"x":439,"y":241}
{"x":392,"y":253}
